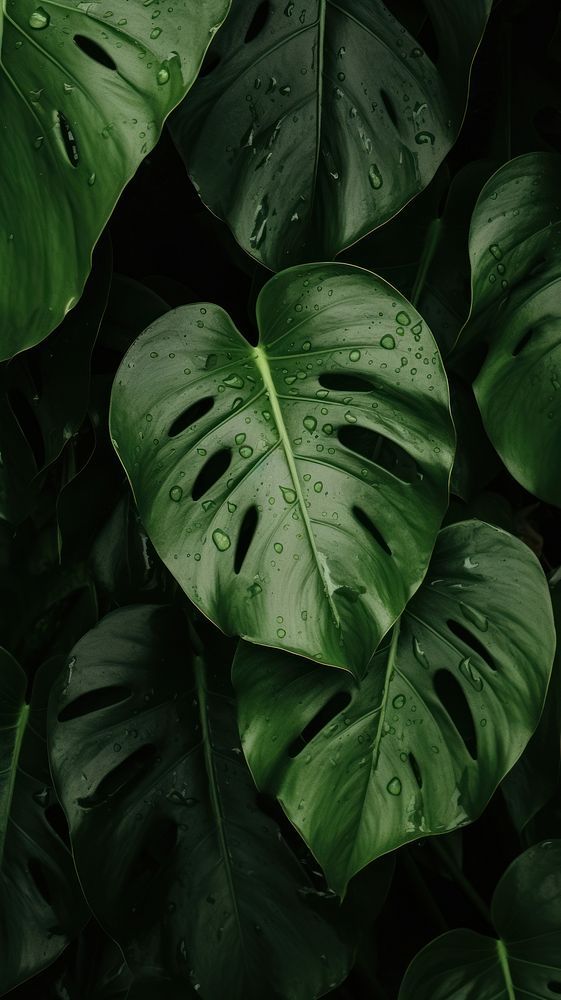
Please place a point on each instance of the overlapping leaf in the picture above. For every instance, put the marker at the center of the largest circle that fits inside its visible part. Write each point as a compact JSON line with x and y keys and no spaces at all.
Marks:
{"x":294,"y":489}
{"x":524,"y":961}
{"x":84,"y":89}
{"x":445,"y":710}
{"x":177,"y":860}
{"x":314,"y":122}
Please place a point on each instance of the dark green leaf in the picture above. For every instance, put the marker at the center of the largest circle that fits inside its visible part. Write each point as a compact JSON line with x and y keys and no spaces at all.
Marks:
{"x":419,"y":746}
{"x":313,"y":123}
{"x":524,"y":961}
{"x":177,"y":860}
{"x":41,"y":905}
{"x":83,"y":94}
{"x":294,"y":489}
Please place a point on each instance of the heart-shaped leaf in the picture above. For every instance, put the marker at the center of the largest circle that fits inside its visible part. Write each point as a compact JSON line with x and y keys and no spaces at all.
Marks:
{"x":41,"y":905}
{"x":177,"y":859}
{"x":294,"y":489}
{"x":84,"y":91}
{"x":312,"y":123}
{"x":420,"y":744}
{"x":524,"y":961}
{"x":515,"y":250}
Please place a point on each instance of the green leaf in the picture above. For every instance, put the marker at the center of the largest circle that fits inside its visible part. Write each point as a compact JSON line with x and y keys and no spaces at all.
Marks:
{"x":177,"y":860}
{"x":515,"y":256}
{"x":294,"y":489}
{"x":524,"y":961}
{"x":41,"y":905}
{"x":313,"y":123}
{"x":419,"y":746}
{"x":83,"y":95}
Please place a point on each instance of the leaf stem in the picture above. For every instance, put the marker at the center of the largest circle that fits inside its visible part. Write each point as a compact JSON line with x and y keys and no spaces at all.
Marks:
{"x":432,"y":239}
{"x":468,"y":889}
{"x":505,"y":969}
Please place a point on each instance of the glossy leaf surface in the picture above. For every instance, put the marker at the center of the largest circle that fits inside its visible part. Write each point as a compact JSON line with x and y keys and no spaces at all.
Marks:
{"x":313,"y":123}
{"x":418,"y":746}
{"x":294,"y":489}
{"x":83,"y":95}
{"x":177,"y":860}
{"x":41,"y":905}
{"x":515,"y":250}
{"x":524,"y":961}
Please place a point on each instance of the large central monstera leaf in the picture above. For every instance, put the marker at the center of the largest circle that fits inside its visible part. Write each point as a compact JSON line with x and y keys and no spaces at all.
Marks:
{"x":524,"y":961}
{"x":420,"y":744}
{"x":315,"y":121}
{"x":294,"y":489}
{"x":515,"y":251}
{"x":84,"y":89}
{"x":177,"y":859}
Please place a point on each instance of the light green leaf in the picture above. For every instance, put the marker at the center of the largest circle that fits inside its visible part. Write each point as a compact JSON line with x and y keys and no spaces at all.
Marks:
{"x":524,"y":961}
{"x":515,"y":251}
{"x":41,"y":905}
{"x":314,"y":122}
{"x":294,"y":489}
{"x":418,"y":746}
{"x":84,"y":90}
{"x":177,"y":859}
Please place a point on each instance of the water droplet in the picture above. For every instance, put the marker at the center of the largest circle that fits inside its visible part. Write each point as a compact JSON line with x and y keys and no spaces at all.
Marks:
{"x":327,"y":428}
{"x":403,"y":319}
{"x":259,"y":230}
{"x":234,"y":381}
{"x":232,"y":507}
{"x":399,"y":701}
{"x":254,"y":589}
{"x":496,"y":251}
{"x":318,"y":487}
{"x":41,"y":797}
{"x":39,"y":19}
{"x":475,"y":616}
{"x":288,"y":494}
{"x":470,"y":674}
{"x":354,"y":356}
{"x":310,"y":423}
{"x":375,"y":178}
{"x":423,"y":138}
{"x":162,"y":75}
{"x":246,"y":451}
{"x":419,"y":654}
{"x":394,"y":786}
{"x":350,"y":417}
{"x":91,"y":180}
{"x":388,"y":342}
{"x":281,"y":632}
{"x":176,"y":493}
{"x":278,"y":547}
{"x":221,"y":540}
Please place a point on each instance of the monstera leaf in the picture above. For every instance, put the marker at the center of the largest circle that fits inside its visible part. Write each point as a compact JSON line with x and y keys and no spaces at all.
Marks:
{"x":177,"y":860}
{"x":41,"y":905}
{"x":515,"y":250}
{"x":419,"y":745}
{"x":84,"y":90}
{"x":294,"y":489}
{"x":523,"y":961}
{"x":313,"y":122}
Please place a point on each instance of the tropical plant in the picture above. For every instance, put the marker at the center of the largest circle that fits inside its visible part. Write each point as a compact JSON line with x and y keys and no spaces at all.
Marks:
{"x":280,"y":560}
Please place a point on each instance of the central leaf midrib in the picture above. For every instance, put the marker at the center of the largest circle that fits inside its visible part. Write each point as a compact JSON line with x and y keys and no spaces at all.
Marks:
{"x":264,"y":369}
{"x":6,"y":808}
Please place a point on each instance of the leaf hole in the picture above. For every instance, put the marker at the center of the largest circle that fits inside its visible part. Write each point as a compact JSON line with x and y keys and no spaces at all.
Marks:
{"x":523,"y":342}
{"x":95,"y":51}
{"x":258,"y":21}
{"x":453,"y":699}
{"x":69,"y":142}
{"x":191,"y":415}
{"x":370,"y":527}
{"x":336,"y":704}
{"x":390,"y":107}
{"x":554,"y":986}
{"x":94,"y":701}
{"x":414,"y":765}
{"x":211,"y":472}
{"x":344,"y":383}
{"x":379,"y":449}
{"x":467,"y":636}
{"x":245,"y":537}
{"x":28,"y":424}
{"x":37,"y":872}
{"x":124,"y":776}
